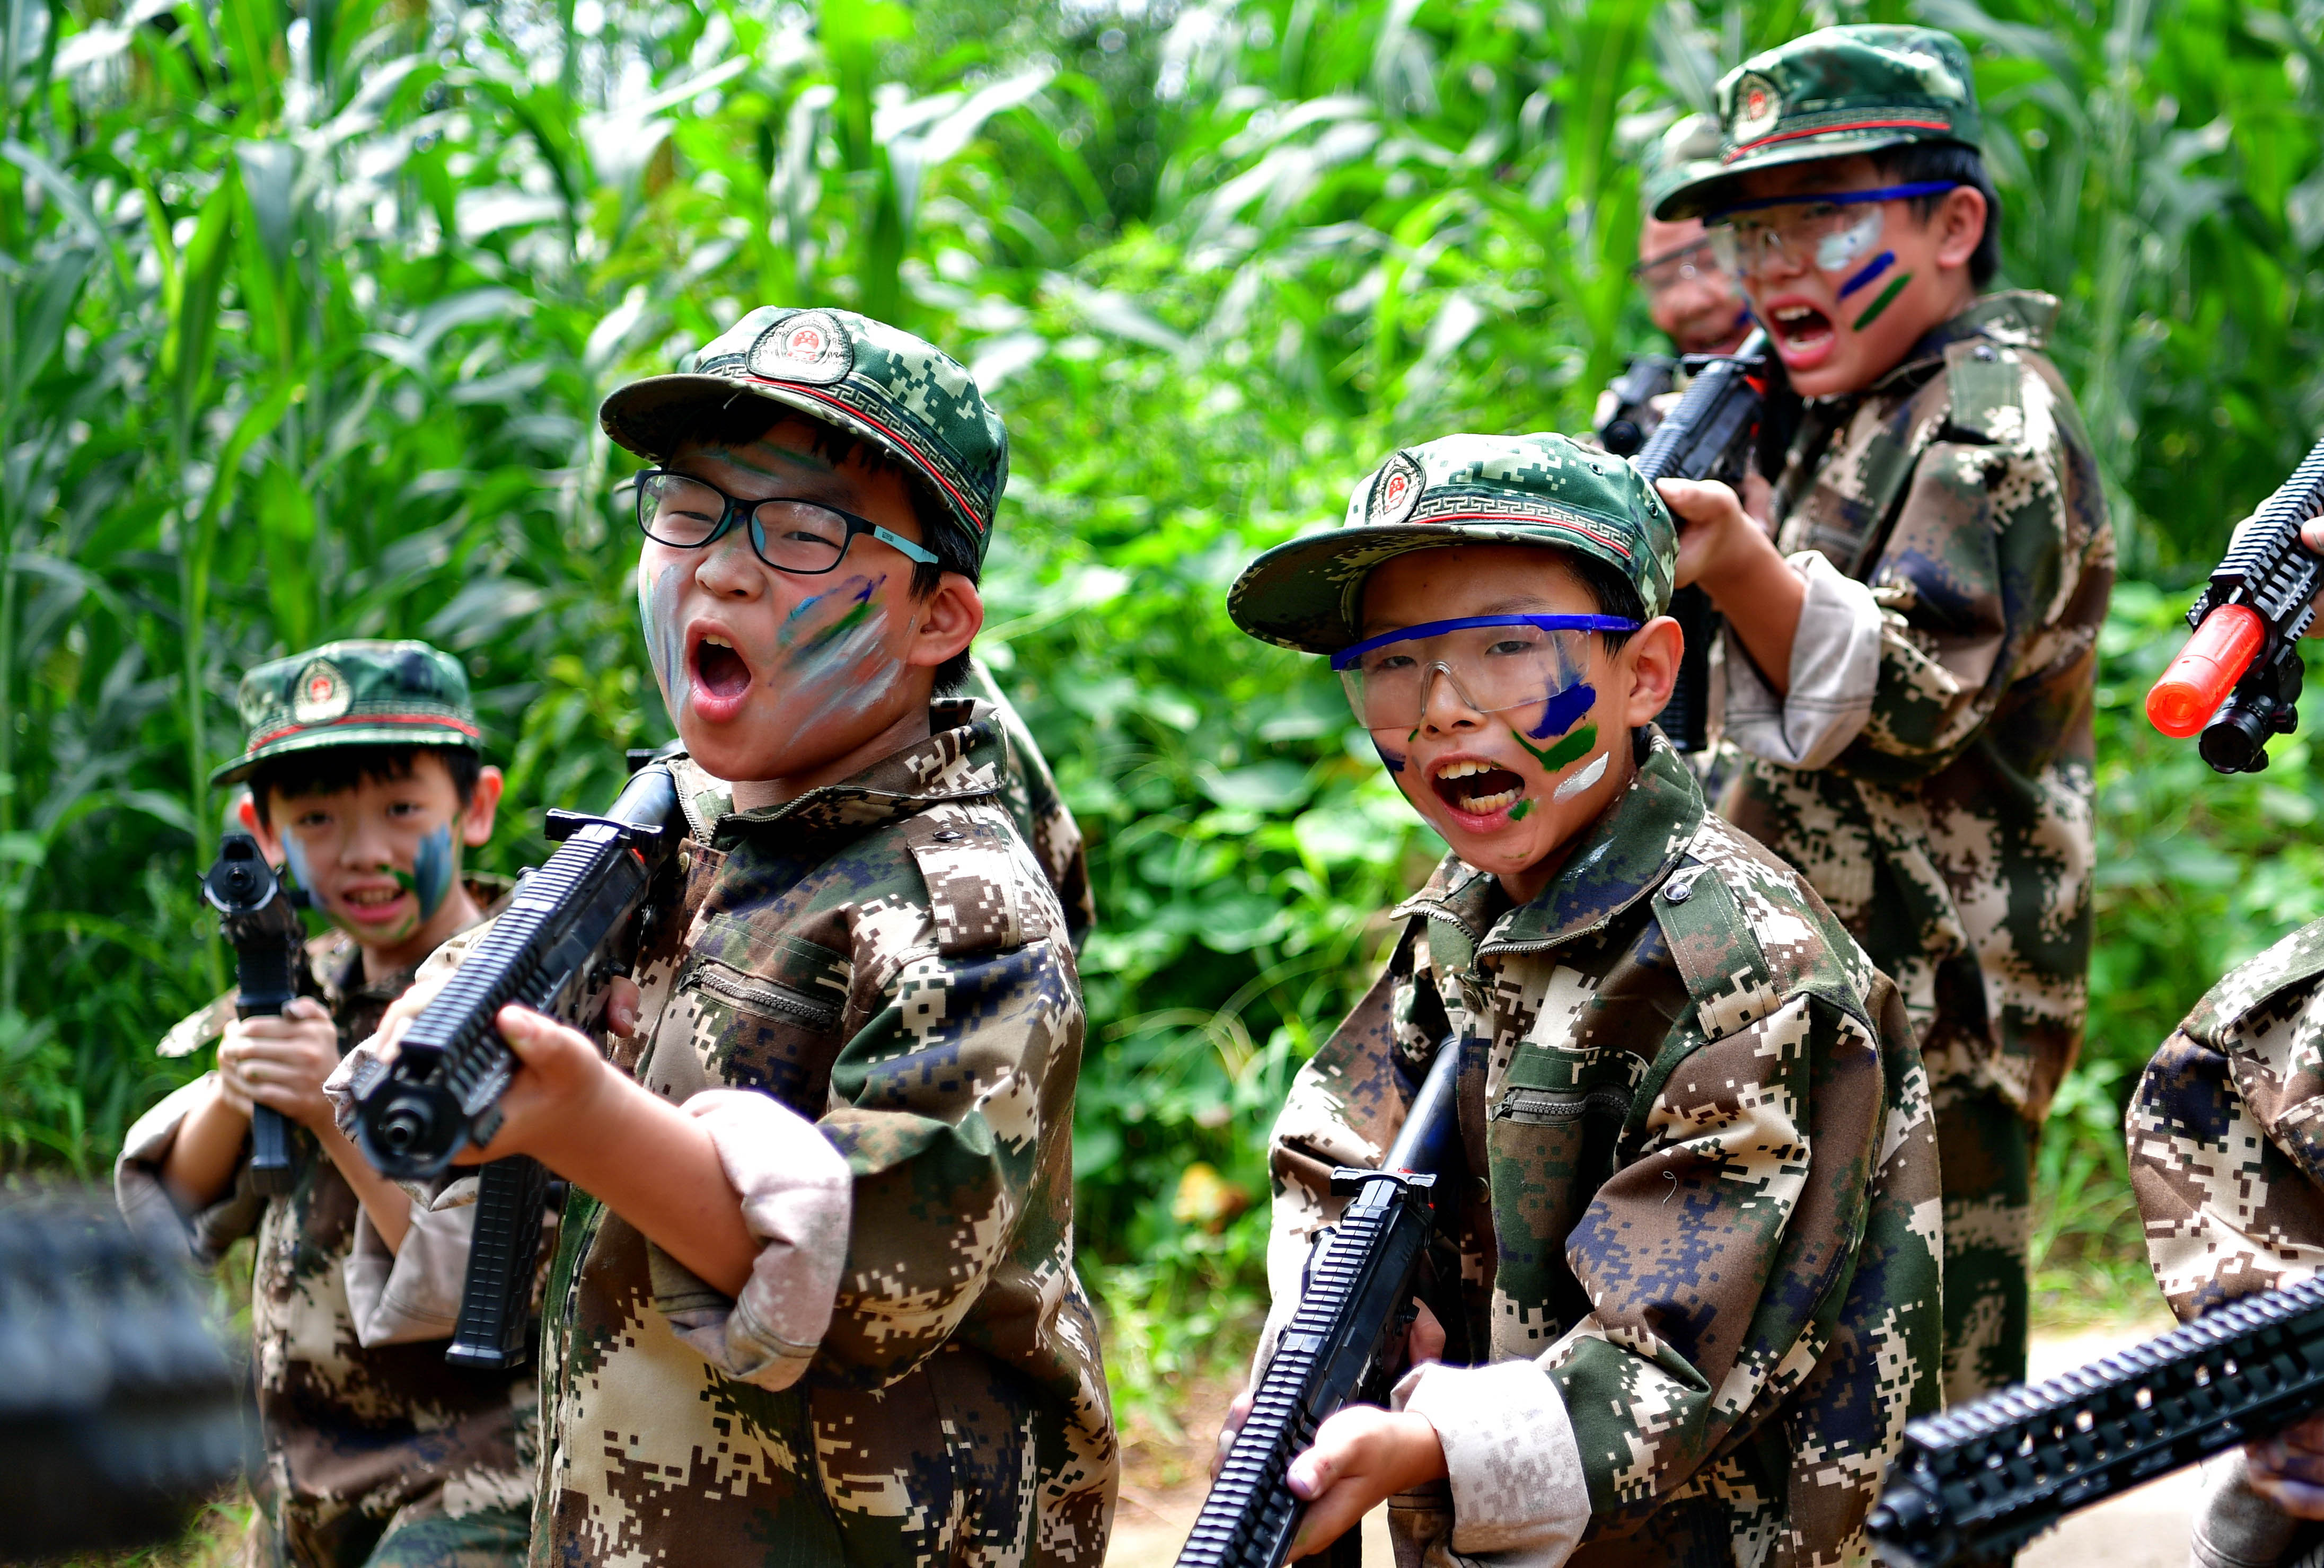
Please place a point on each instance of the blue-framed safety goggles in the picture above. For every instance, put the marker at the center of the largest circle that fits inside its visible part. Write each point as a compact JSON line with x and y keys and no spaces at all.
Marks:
{"x":1493,"y":662}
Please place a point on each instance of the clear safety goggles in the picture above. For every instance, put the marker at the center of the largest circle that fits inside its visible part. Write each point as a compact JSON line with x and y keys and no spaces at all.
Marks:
{"x":1829,"y":231}
{"x":1690,"y":262}
{"x":1494,"y":663}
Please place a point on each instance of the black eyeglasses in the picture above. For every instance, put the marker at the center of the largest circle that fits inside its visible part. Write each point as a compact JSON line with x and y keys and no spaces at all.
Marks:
{"x":801,"y":537}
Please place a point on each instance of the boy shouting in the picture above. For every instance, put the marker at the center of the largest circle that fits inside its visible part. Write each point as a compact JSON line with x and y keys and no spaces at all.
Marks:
{"x":1697,"y":1271}
{"x":813,"y":1298}
{"x":1910,"y":658}
{"x":366,"y":778}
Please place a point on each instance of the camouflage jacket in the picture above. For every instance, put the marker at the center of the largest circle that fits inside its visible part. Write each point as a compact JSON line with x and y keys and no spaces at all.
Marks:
{"x":1952,"y":830}
{"x":356,"y":1433}
{"x":886,"y":957}
{"x":2225,"y":1153}
{"x":1708,"y":1222}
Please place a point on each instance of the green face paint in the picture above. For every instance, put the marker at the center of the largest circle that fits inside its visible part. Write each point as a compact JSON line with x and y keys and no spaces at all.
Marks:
{"x":1571,"y":750}
{"x":1520,"y":811}
{"x":1887,"y":297}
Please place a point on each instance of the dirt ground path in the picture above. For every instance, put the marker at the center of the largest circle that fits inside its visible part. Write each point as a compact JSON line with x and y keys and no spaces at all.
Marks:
{"x":2146,"y":1528}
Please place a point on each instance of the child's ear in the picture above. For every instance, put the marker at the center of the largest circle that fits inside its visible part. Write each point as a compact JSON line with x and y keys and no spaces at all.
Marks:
{"x":1959,"y":222}
{"x":476,"y":821}
{"x":1649,"y":663}
{"x":270,"y":844}
{"x":949,"y":620}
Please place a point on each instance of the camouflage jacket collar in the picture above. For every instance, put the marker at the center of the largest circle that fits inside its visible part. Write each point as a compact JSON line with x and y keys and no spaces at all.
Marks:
{"x":2014,"y":318}
{"x":964,"y":758}
{"x":337,"y":966}
{"x":1618,"y":860}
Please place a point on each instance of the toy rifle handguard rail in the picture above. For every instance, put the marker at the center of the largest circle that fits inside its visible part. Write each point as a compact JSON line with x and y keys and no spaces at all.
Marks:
{"x":1708,"y":436}
{"x":1342,"y":1344}
{"x":571,"y":927}
{"x":2238,"y":681}
{"x":1982,"y":1478}
{"x":260,"y":921}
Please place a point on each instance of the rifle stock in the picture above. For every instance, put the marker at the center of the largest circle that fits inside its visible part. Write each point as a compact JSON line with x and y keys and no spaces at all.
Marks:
{"x":1342,"y":1344}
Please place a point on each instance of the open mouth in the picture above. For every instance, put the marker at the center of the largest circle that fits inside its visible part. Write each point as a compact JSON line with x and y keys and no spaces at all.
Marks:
{"x":718,"y":669}
{"x":1801,"y":328}
{"x":1478,"y":788}
{"x":372,"y":904}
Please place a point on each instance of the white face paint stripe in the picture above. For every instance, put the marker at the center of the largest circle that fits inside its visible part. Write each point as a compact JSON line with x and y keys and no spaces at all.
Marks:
{"x":1576,"y":783}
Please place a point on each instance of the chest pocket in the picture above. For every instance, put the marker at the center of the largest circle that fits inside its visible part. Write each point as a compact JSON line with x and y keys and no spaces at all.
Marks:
{"x":758,"y":1014}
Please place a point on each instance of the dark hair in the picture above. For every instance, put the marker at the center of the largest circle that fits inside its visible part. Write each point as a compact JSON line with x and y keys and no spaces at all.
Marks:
{"x":328,"y":770}
{"x":1614,"y":592}
{"x":744,"y":418}
{"x":1916,"y":161}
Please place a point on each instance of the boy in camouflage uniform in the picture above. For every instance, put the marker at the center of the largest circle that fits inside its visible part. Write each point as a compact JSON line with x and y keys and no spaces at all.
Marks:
{"x":1908,"y":661}
{"x":365,"y":776}
{"x":813,"y":1298}
{"x":2229,"y":1175}
{"x":1697,"y":1277}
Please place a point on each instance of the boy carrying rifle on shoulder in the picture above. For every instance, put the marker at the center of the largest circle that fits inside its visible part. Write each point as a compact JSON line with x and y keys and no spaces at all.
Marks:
{"x":1909,"y":659}
{"x":366,"y":780}
{"x":1692,"y":1294}
{"x":813,"y":1298}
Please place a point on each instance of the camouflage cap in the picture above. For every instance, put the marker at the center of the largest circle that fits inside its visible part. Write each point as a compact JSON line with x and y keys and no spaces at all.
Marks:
{"x":1688,"y":151}
{"x":1837,"y":91}
{"x":1534,"y":490}
{"x":354,"y":694}
{"x":908,"y":398}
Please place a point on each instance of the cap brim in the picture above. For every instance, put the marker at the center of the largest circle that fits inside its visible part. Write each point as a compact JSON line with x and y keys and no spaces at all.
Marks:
{"x":1700,"y":197}
{"x":1307,"y":593}
{"x":422,"y":733}
{"x":651,"y":417}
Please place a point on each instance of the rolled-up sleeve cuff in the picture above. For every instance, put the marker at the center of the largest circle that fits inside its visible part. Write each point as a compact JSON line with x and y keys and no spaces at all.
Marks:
{"x":413,"y":1292}
{"x":146,"y":1204}
{"x":1835,"y":670}
{"x":1518,"y":1494}
{"x":798,"y":1197}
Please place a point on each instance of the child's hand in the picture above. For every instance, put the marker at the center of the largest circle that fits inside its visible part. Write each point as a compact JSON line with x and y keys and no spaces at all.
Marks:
{"x":1712,"y":531}
{"x":281,"y":1063}
{"x":560,"y":1083}
{"x":1425,"y":1341}
{"x":2288,"y":1469}
{"x":1361,"y":1457}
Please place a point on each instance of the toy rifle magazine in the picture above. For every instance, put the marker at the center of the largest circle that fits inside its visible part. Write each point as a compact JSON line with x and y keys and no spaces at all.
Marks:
{"x":120,"y":1412}
{"x":1710,"y":435}
{"x":573,"y":926}
{"x":1342,"y":1345}
{"x":260,"y":920}
{"x":1981,"y":1479}
{"x":2238,"y":681}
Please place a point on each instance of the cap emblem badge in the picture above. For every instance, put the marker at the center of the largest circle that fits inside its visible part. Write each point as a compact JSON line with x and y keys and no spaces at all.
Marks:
{"x":808,"y":346}
{"x":1757,"y":107}
{"x":322,"y":693}
{"x":1396,"y":492}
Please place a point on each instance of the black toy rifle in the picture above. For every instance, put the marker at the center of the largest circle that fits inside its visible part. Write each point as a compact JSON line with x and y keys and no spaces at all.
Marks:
{"x":2238,"y":681}
{"x":574,"y":924}
{"x":1341,"y":1346}
{"x":1646,"y":378}
{"x":1710,"y":435}
{"x":119,"y":1411}
{"x":258,"y":918}
{"x":1981,"y":1479}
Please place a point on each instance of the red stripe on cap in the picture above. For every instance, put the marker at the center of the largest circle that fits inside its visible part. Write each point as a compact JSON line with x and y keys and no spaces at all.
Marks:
{"x":932,"y":471}
{"x":1834,"y":130}
{"x":444,"y":723}
{"x":1531,"y":518}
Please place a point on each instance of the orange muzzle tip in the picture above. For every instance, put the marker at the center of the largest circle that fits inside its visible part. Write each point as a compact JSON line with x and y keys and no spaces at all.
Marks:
{"x":2206,"y":671}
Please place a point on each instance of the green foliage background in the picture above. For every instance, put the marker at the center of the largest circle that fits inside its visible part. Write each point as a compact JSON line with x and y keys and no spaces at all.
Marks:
{"x":306,"y":307}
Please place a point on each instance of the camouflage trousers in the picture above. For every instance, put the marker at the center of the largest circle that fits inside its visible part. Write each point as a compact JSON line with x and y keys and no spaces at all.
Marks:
{"x":412,"y":1537}
{"x":1985,"y":1151}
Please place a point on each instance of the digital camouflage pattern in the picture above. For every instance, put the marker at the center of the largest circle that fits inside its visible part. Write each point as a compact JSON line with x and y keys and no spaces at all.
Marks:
{"x":1710,"y":1209}
{"x":1531,"y":490}
{"x":1953,"y":836}
{"x":1836,"y":92}
{"x":878,"y":382}
{"x":1028,"y":789}
{"x":384,"y":1456}
{"x":2225,"y":1154}
{"x":887,"y":957}
{"x":353,"y":694}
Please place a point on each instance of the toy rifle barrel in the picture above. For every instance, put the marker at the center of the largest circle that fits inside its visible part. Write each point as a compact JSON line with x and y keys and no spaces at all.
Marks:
{"x":255,"y":911}
{"x":2199,"y":680}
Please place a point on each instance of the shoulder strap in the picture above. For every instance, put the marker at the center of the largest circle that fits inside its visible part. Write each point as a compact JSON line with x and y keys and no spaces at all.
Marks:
{"x":978,"y":890}
{"x":1715,"y":949}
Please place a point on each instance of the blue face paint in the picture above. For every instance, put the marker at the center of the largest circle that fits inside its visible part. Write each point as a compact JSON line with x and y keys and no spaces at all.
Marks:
{"x":665,"y":637}
{"x":1564,"y":710}
{"x":1395,"y":763}
{"x":431,"y":880}
{"x":296,"y":859}
{"x":1872,"y":269}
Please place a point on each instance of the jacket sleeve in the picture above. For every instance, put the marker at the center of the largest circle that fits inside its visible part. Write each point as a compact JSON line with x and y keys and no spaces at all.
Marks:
{"x":146,"y":1204}
{"x":1970,"y":585}
{"x":1718,"y":1260}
